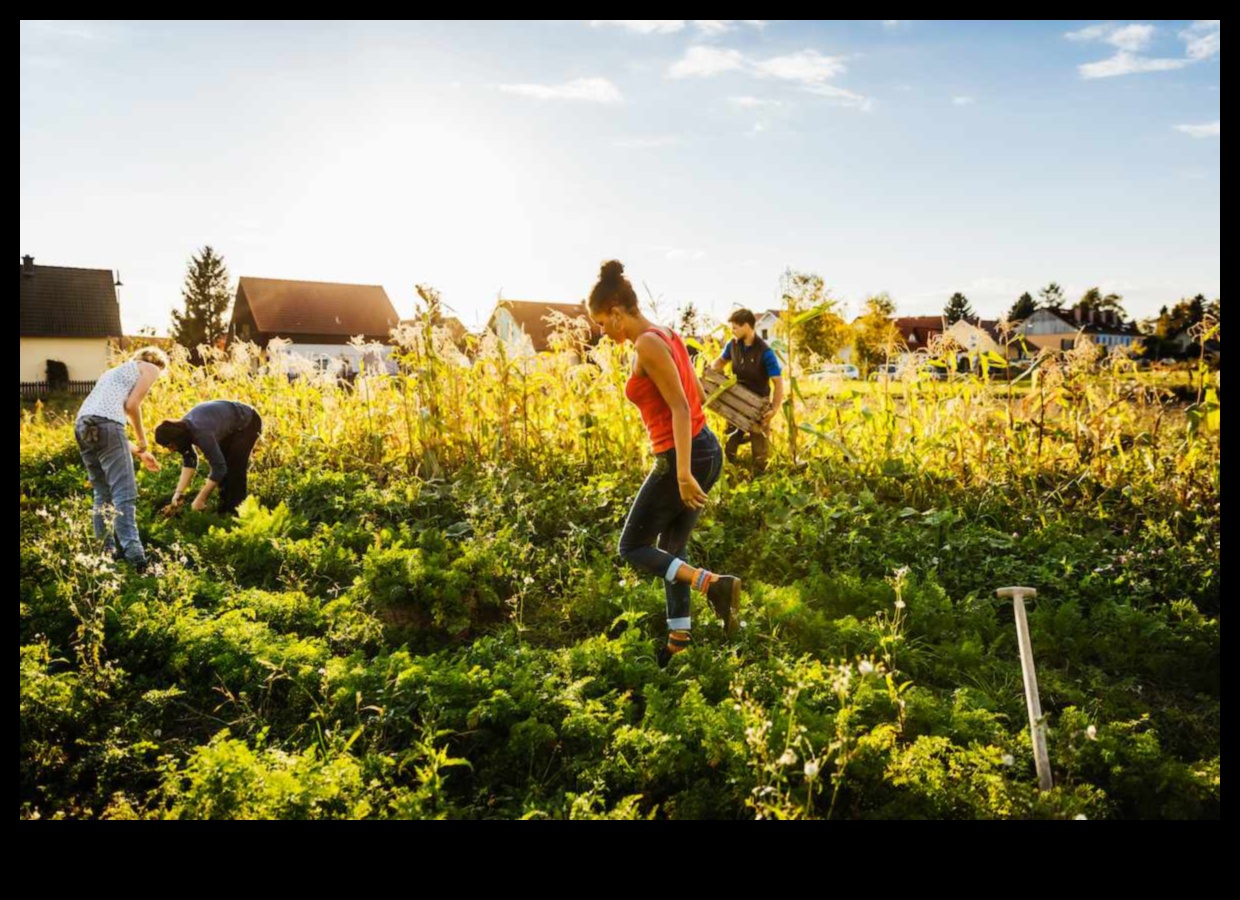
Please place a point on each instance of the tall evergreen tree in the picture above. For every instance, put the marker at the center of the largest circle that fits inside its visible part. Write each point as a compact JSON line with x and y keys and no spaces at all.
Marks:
{"x":957,"y":308}
{"x":207,"y":297}
{"x":1023,"y":308}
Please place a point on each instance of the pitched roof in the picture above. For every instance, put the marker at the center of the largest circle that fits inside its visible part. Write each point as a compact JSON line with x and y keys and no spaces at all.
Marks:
{"x":1068,"y":318}
{"x":531,"y":316}
{"x":989,"y":326}
{"x":456,"y":328}
{"x":917,"y":330}
{"x":58,"y":301}
{"x":317,"y":307}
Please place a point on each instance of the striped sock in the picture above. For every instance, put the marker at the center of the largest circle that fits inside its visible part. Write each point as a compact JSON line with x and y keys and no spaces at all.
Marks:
{"x":679,"y":640}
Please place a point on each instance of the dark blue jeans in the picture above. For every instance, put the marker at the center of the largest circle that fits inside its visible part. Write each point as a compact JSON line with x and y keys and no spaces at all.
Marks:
{"x":659,"y":523}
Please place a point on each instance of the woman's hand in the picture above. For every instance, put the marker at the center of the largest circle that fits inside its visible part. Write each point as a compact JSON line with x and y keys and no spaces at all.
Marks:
{"x":691,"y":492}
{"x":148,"y":460}
{"x":199,"y":504}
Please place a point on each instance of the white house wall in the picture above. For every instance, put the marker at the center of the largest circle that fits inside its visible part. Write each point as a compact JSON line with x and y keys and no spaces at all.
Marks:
{"x":87,"y":358}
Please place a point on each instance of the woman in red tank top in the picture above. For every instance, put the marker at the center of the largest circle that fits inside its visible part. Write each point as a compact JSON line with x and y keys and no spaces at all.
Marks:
{"x":688,"y":460}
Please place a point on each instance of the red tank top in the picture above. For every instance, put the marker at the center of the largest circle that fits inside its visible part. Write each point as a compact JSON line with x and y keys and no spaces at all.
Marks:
{"x":657,"y":415}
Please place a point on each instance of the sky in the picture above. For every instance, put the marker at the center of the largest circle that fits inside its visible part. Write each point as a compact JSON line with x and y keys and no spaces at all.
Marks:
{"x":491,"y":160}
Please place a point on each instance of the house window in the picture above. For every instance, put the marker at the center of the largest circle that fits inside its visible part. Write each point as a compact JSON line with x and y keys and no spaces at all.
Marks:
{"x":1066,"y":344}
{"x":764,"y":334}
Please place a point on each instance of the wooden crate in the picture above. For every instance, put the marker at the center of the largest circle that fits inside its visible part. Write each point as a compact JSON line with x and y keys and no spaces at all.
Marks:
{"x":738,"y":405}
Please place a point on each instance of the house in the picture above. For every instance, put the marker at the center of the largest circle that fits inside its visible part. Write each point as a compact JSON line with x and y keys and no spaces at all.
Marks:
{"x":769,"y":324}
{"x":1061,"y":329}
{"x":319,"y":317}
{"x":526,"y":326}
{"x":916,"y":331}
{"x":67,"y":315}
{"x":457,"y":332}
{"x":983,"y":336}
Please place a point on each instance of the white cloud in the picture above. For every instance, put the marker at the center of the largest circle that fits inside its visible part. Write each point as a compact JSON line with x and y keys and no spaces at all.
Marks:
{"x":894,"y":23}
{"x":1132,"y":37}
{"x":642,"y":26}
{"x":808,"y":69}
{"x":703,"y":62}
{"x":1204,"y":130}
{"x":1090,"y":33}
{"x":1125,"y":63}
{"x":593,"y":90}
{"x":708,"y":27}
{"x":683,"y":254}
{"x":1124,"y":37}
{"x":711,"y":27}
{"x":963,"y":101}
{"x":1203,"y":39}
{"x":842,"y":96}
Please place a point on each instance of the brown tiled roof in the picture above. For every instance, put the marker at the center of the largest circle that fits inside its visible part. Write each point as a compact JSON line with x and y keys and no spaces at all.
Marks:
{"x":58,"y":301}
{"x":531,"y":316}
{"x":922,"y":327}
{"x":284,"y":308}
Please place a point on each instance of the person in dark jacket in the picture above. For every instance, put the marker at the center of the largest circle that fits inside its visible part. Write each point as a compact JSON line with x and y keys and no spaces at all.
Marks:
{"x":757,"y":368}
{"x":225,"y":431}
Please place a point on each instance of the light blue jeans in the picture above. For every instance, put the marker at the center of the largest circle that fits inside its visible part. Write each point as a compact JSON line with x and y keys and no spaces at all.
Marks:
{"x":105,"y":453}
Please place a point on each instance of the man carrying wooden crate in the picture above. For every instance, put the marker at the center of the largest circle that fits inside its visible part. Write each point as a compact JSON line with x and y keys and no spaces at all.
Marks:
{"x":756,"y":368}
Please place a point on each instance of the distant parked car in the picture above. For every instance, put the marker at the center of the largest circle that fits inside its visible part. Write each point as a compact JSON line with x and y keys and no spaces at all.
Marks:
{"x":836,"y":370}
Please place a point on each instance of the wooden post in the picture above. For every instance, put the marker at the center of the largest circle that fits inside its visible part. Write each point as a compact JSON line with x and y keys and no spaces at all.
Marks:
{"x":1037,"y":728}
